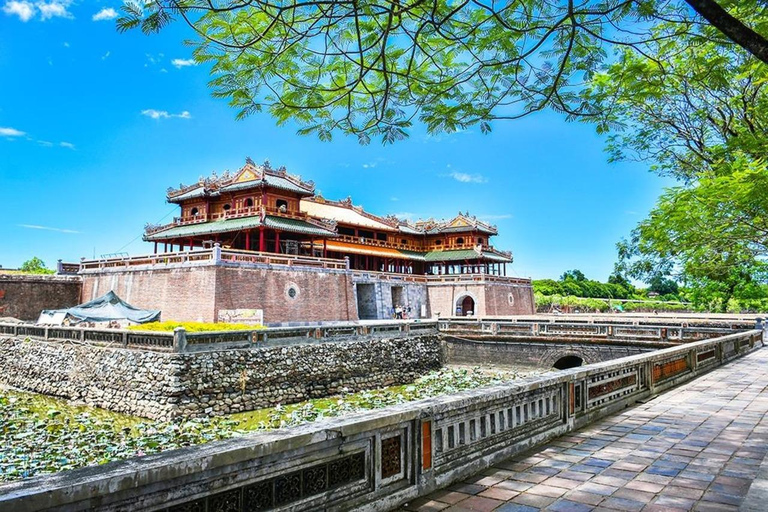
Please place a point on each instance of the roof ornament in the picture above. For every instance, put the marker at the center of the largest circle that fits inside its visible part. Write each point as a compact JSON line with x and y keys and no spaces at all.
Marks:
{"x":267,"y":165}
{"x":225,"y":175}
{"x":249,"y":161}
{"x":281,"y":170}
{"x":347,"y":201}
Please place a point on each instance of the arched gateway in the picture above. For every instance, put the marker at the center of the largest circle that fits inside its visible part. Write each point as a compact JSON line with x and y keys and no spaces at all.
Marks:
{"x":465,"y":306}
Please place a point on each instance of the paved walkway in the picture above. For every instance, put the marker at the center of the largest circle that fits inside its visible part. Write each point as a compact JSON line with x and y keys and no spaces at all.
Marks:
{"x":697,"y":447}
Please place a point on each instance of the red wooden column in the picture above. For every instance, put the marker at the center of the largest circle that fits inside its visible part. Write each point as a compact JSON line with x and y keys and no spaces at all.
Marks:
{"x":191,"y":244}
{"x":155,"y":247}
{"x":277,"y":241}
{"x":261,"y":238}
{"x":248,"y":240}
{"x":325,"y":248}
{"x":165,"y":247}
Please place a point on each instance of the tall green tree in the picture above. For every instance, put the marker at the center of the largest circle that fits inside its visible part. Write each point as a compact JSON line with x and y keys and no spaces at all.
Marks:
{"x":697,"y":111}
{"x":373,"y":67}
{"x":575,"y":274}
{"x":35,"y":265}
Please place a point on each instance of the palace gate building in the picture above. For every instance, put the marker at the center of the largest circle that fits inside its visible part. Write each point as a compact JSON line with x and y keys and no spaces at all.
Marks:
{"x":260,"y":241}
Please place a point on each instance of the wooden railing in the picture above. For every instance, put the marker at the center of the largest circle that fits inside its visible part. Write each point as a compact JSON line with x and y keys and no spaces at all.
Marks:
{"x":252,"y":211}
{"x":375,"y":242}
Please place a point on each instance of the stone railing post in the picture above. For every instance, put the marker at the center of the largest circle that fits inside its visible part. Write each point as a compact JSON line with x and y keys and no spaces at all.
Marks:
{"x":760,"y":326}
{"x":59,"y":267}
{"x":346,"y":262}
{"x":179,"y":340}
{"x":216,"y":253}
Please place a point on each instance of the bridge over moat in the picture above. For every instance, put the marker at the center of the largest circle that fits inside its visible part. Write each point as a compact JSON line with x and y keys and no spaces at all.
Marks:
{"x":382,"y":459}
{"x":698,"y":447}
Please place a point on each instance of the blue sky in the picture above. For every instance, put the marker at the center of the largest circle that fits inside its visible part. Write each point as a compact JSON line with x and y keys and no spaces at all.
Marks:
{"x":95,"y":125}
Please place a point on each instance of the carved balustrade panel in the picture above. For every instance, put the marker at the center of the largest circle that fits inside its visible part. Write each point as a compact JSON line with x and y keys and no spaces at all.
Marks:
{"x":284,"y":489}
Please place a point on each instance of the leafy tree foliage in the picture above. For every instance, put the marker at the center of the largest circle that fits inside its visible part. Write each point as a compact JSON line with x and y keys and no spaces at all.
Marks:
{"x":373,"y":67}
{"x":575,"y":274}
{"x":699,"y":115}
{"x":663,"y":286}
{"x":35,"y":266}
{"x":581,"y":288}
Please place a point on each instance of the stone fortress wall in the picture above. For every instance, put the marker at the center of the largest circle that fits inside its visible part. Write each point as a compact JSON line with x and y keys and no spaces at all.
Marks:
{"x":296,"y":295}
{"x":167,"y":385}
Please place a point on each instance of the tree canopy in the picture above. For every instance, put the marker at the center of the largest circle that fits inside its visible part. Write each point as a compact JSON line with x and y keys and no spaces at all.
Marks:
{"x":35,"y":265}
{"x":698,"y":112}
{"x":373,"y":67}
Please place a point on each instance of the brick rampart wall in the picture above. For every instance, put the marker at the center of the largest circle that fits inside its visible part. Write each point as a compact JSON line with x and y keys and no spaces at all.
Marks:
{"x":492,"y":298}
{"x":25,"y":296}
{"x":179,"y":293}
{"x":200,"y":292}
{"x":317,"y":295}
{"x":503,"y":299}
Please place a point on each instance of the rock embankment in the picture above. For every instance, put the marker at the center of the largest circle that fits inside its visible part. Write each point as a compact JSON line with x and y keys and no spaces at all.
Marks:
{"x":164,"y":386}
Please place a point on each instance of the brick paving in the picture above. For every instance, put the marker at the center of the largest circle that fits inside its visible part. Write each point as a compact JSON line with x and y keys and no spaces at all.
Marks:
{"x":696,"y":447}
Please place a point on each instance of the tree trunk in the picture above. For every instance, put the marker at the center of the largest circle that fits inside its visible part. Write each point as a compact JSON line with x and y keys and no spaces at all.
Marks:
{"x":732,"y":28}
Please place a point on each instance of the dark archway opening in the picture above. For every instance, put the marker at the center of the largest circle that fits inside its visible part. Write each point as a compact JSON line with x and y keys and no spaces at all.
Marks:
{"x":466,"y":307}
{"x":568,"y":362}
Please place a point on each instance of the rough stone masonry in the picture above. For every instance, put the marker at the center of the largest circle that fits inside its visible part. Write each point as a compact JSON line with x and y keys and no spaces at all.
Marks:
{"x":165,"y":386}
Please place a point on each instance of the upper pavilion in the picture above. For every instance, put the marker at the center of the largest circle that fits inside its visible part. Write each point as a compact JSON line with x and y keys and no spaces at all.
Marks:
{"x":268,"y":210}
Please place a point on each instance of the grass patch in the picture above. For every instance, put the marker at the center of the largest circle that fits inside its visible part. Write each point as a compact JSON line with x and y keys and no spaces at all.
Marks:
{"x":169,"y":326}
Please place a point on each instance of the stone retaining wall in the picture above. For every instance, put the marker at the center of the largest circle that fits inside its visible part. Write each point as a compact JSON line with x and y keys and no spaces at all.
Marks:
{"x":163,"y":386}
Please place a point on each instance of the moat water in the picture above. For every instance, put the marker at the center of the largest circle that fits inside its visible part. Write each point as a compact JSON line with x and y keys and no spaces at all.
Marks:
{"x":42,"y":434}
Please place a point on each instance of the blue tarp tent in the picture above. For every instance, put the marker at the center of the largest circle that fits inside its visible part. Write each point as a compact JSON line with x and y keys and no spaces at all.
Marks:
{"x":105,"y":309}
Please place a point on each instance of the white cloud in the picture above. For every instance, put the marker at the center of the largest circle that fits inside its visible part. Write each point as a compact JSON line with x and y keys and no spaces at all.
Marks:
{"x":106,"y":13}
{"x":182,"y":63}
{"x":48,"y":228}
{"x":163,"y":114}
{"x":105,"y":56}
{"x":393,"y":198}
{"x":463,"y":177}
{"x":24,"y":10}
{"x":495,"y":216}
{"x":10,"y":132}
{"x":45,"y":143}
{"x":67,"y":145}
{"x":54,"y":9}
{"x":66,"y":44}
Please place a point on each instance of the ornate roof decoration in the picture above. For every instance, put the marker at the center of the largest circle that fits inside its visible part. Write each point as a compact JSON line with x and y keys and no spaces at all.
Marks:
{"x":463,"y":222}
{"x":248,"y":176}
{"x":390,"y":221}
